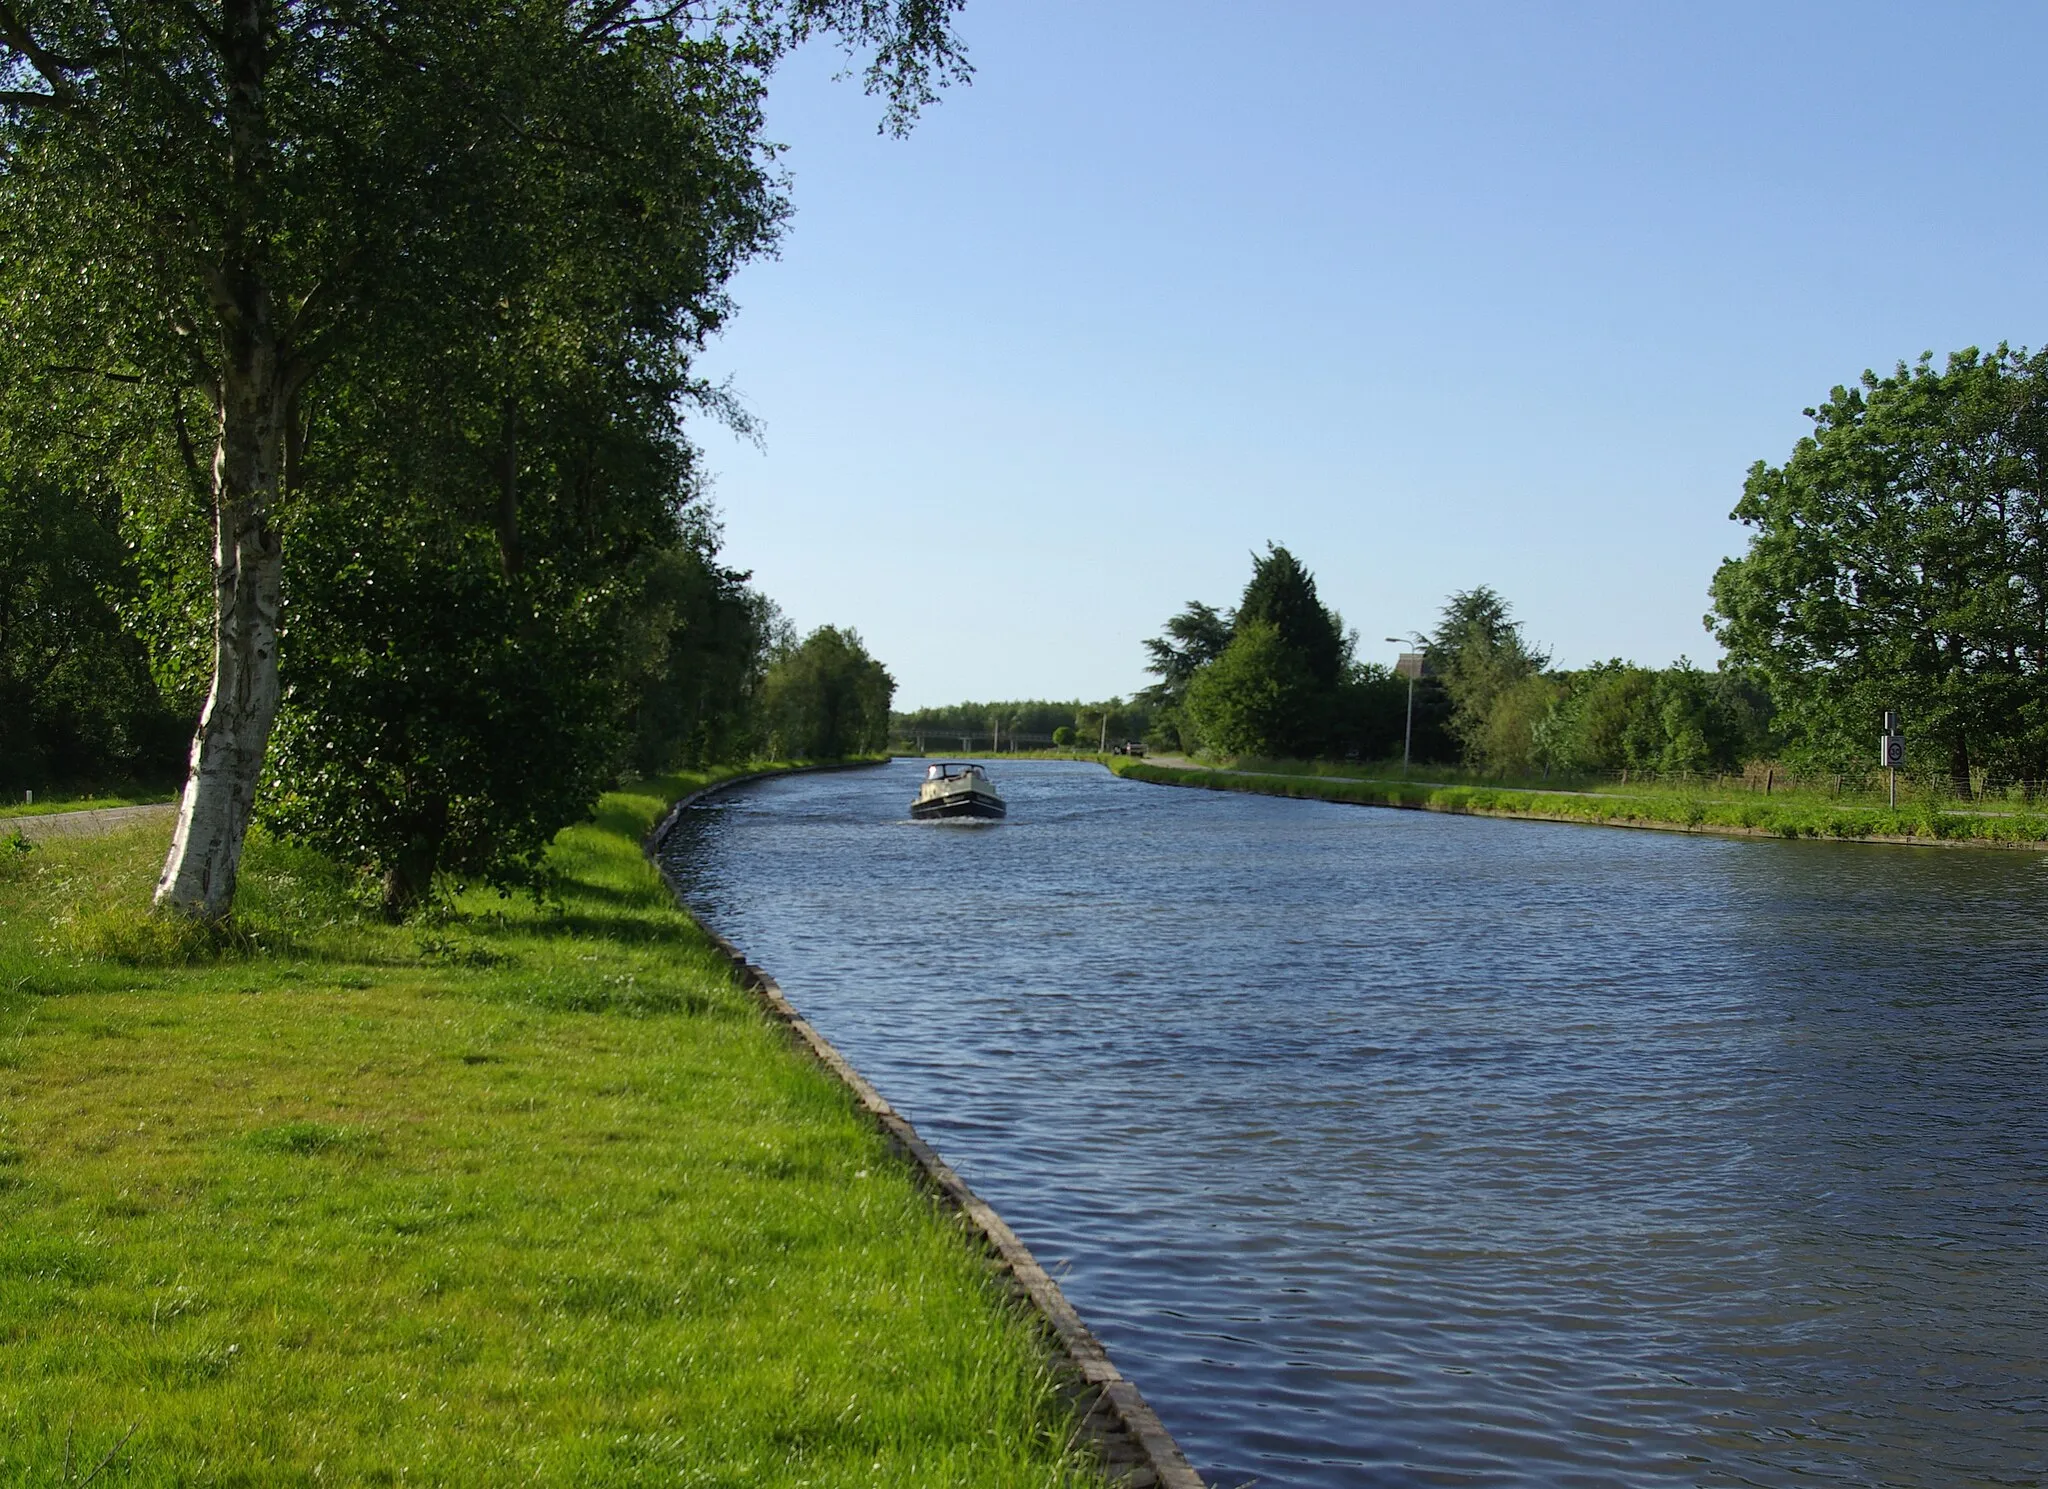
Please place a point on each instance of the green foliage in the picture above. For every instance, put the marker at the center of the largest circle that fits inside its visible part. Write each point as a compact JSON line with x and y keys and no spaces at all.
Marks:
{"x":1020,"y":720}
{"x":826,"y":699}
{"x":1194,"y":638}
{"x":489,"y":583}
{"x":700,"y":705}
{"x":1282,"y":594}
{"x":1279,"y":683}
{"x":1617,"y":716}
{"x":432,"y":278}
{"x":1694,"y":810}
{"x":1492,"y":676}
{"x":1899,"y":560}
{"x":79,"y":704}
{"x":1258,"y":698}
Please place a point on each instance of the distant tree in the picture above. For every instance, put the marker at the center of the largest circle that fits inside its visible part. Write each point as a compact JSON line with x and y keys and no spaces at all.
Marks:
{"x":1618,"y":716}
{"x":1194,"y":638}
{"x":1282,"y":594}
{"x":1063,"y":737}
{"x":1899,"y":560}
{"x":1258,"y":698}
{"x":701,"y":702}
{"x":1491,"y":675}
{"x":826,"y":698}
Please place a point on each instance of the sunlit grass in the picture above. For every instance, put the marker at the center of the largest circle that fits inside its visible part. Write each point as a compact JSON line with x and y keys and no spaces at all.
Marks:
{"x":529,"y":1193}
{"x":1796,"y":814}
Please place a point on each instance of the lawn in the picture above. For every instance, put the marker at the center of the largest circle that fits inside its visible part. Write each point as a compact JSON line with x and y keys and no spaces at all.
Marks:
{"x":531,"y":1193}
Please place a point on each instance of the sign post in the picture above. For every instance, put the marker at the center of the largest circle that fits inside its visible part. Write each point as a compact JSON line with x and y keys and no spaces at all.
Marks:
{"x":1891,"y":753}
{"x":1413,"y":664}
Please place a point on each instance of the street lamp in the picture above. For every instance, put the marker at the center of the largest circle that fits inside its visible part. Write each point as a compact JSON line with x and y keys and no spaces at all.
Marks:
{"x":1409,"y":666}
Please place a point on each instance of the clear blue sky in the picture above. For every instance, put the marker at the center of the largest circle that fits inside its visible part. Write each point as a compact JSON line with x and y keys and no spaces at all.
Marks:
{"x":1437,"y":295}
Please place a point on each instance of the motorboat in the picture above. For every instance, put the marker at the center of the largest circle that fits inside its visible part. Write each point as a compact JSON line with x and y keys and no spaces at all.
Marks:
{"x":955,"y":788}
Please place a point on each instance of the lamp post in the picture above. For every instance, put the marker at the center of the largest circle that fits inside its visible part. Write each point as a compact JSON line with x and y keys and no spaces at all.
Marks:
{"x":1410,"y":667}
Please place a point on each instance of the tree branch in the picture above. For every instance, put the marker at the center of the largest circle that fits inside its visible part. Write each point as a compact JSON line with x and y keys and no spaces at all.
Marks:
{"x":52,"y":69}
{"x":16,"y":98}
{"x":112,"y":377}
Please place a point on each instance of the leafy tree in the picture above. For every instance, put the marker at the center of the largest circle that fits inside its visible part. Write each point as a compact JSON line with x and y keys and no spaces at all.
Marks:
{"x":1899,"y":560}
{"x":1489,"y":672}
{"x":1618,"y":716}
{"x":1281,"y":621}
{"x":467,"y":623}
{"x":1259,"y":698}
{"x":701,"y":704}
{"x":1282,"y":594}
{"x":223,"y":202}
{"x":1194,"y":638}
{"x":79,"y":704}
{"x":826,"y":699}
{"x":1040,"y":717}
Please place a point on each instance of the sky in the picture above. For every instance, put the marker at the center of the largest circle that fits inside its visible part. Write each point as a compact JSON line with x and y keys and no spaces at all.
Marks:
{"x":1434,"y":295}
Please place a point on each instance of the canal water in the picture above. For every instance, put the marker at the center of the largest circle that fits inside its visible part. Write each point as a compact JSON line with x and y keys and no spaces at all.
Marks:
{"x":1384,"y":1148}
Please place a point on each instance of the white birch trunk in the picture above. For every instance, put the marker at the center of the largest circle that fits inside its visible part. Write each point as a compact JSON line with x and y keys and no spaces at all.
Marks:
{"x":227,"y":751}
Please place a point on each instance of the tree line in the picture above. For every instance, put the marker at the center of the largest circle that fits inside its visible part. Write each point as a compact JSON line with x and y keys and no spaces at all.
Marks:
{"x":345,"y":360}
{"x":1028,"y":723}
{"x":1897,"y":561}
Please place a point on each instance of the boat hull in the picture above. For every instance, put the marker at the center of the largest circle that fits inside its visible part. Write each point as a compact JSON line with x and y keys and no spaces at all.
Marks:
{"x":958,"y":804}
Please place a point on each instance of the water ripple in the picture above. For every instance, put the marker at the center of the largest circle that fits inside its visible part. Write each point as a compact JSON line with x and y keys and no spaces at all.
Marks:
{"x":1410,"y":1150}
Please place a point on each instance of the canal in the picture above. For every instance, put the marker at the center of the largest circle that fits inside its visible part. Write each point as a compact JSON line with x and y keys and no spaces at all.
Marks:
{"x":1385,"y":1148}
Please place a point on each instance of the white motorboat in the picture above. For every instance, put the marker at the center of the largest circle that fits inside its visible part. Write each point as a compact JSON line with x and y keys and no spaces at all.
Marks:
{"x":955,"y":788}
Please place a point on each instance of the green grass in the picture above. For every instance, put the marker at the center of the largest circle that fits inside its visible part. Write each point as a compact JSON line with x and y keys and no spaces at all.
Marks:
{"x":1790,"y":815}
{"x":527,"y":1194}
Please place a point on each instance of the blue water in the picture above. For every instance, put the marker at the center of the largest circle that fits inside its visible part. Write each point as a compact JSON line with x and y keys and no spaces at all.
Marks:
{"x":1396,"y":1149}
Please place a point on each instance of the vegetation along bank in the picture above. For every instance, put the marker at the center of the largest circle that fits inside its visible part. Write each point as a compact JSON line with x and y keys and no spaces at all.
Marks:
{"x":516,"y":1190}
{"x":1701,"y":808}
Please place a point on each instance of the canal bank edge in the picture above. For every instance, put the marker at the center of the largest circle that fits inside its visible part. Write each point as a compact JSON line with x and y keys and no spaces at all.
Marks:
{"x":1479,"y":801}
{"x":1133,"y":1444}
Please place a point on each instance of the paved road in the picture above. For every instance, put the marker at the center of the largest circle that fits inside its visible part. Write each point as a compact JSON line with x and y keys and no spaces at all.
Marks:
{"x":85,"y":824}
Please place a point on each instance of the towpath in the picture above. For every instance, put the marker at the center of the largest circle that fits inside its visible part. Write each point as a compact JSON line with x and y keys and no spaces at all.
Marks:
{"x":85,"y":823}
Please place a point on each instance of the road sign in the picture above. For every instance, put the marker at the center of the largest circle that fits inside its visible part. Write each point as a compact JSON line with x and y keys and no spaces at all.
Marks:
{"x":1891,"y":751}
{"x":1413,"y":664}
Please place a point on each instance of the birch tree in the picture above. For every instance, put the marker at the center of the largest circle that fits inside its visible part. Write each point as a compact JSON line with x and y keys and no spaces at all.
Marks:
{"x":215,"y":198}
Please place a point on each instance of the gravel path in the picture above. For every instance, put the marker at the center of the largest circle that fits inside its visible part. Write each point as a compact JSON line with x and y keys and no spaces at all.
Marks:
{"x":85,"y":824}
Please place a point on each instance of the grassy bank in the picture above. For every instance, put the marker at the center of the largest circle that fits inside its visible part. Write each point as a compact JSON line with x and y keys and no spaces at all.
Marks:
{"x":1795,"y":815}
{"x":530,"y":1193}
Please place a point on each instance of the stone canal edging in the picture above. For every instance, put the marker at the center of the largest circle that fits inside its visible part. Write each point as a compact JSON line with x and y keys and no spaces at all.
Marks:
{"x":1133,"y":1443}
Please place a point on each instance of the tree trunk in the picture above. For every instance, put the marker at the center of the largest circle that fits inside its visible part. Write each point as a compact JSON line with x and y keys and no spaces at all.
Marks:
{"x":254,"y":390}
{"x":1959,"y":770}
{"x":227,"y":752}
